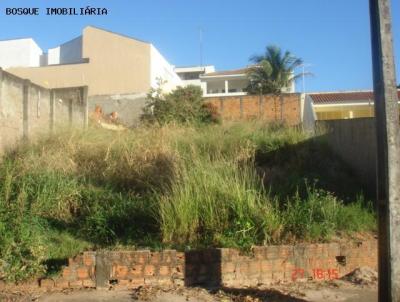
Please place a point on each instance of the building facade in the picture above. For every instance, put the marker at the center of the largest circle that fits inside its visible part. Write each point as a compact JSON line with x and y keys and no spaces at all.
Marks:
{"x":343,"y":105}
{"x":107,"y":62}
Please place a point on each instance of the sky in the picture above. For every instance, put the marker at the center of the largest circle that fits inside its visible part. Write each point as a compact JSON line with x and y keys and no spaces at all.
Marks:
{"x":332,"y":37}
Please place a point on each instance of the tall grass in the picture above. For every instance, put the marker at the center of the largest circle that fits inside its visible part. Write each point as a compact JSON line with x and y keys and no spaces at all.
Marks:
{"x":235,"y":185}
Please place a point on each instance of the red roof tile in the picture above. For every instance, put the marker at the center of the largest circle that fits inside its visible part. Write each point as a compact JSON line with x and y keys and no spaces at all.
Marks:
{"x":343,"y":97}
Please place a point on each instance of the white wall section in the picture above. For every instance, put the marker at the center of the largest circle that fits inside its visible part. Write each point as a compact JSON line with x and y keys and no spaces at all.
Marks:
{"x":67,"y":53}
{"x":19,"y":53}
{"x":160,"y":68}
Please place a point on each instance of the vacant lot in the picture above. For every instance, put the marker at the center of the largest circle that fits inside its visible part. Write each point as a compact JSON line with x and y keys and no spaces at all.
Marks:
{"x":232,"y":185}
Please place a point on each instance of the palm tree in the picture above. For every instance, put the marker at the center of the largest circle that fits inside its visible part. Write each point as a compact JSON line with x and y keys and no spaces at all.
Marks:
{"x":272,"y":71}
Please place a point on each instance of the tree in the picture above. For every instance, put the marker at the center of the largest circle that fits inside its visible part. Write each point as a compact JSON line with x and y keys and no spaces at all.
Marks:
{"x":182,"y":105}
{"x":272,"y":71}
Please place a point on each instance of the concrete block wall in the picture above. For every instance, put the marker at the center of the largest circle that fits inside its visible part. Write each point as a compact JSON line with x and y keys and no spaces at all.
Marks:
{"x":216,"y":267}
{"x":11,"y":109}
{"x":354,"y":141}
{"x":28,"y":110}
{"x":128,"y":106}
{"x":284,"y":108}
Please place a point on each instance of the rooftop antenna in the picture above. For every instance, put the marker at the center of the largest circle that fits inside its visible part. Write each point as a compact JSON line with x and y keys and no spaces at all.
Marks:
{"x":303,"y":75}
{"x":201,"y":45}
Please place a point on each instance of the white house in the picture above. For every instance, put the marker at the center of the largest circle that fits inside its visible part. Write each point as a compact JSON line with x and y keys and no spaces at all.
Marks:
{"x":109,"y":63}
{"x":20,"y":53}
{"x":190,"y":75}
{"x":229,"y":83}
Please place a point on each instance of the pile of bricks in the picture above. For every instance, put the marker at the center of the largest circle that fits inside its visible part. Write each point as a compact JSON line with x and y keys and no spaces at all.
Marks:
{"x":217,"y":267}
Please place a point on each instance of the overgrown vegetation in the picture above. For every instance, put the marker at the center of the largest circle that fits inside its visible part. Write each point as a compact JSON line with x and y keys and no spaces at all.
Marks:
{"x":184,"y":105}
{"x":184,"y":187}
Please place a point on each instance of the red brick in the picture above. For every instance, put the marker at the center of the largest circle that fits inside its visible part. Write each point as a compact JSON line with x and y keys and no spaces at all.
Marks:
{"x":164,"y":270}
{"x":121,"y":271}
{"x":228,"y":267}
{"x":137,"y":270}
{"x":155,"y":258}
{"x":242,"y":268}
{"x":142,"y":256}
{"x":82,"y":273}
{"x":88,"y":259}
{"x":67,"y":273}
{"x":149,"y":270}
{"x":285,"y":251}
{"x":266,"y":266}
{"x":254,"y":267}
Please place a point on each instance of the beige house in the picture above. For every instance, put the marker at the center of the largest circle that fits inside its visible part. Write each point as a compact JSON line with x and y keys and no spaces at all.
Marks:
{"x":343,"y":105}
{"x":107,"y":62}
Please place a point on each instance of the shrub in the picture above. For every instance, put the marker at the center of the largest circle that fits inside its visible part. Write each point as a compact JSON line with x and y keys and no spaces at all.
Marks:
{"x":184,"y":105}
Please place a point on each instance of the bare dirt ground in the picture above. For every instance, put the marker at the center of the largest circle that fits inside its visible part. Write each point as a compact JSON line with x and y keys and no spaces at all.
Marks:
{"x":360,"y":286}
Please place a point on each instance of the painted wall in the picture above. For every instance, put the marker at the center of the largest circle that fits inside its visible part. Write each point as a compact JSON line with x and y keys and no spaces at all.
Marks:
{"x":19,"y":53}
{"x":117,"y":65}
{"x":160,"y":68}
{"x":329,"y":112}
{"x":308,"y":114}
{"x":67,"y":53}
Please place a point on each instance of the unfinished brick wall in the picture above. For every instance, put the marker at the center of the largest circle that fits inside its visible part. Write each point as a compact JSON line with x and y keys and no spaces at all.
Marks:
{"x":122,"y":269}
{"x":285,"y":263}
{"x":284,"y":108}
{"x":217,"y":267}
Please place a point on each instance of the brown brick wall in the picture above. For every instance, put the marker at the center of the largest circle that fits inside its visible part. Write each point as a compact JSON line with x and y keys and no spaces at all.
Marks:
{"x":227,"y":267}
{"x":285,"y":263}
{"x":285,"y":108}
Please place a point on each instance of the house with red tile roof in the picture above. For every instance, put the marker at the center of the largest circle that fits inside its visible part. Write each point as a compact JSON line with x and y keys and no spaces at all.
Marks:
{"x":342,"y":105}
